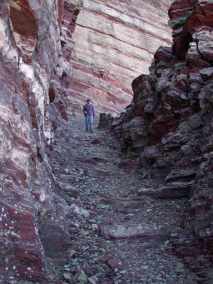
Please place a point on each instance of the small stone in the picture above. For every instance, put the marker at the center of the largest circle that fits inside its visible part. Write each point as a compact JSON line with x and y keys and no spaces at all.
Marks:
{"x":206,"y":72}
{"x":83,"y":279}
{"x":93,"y":279}
{"x":94,"y":227}
{"x":72,"y":253}
{"x":80,"y":211}
{"x":114,"y":263}
{"x":67,"y":276}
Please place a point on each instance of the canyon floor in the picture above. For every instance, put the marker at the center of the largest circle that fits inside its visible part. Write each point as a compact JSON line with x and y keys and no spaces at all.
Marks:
{"x":119,"y":234}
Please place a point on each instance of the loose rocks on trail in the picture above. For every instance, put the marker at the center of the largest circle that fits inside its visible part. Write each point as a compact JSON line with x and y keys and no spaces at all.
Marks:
{"x":116,"y":232}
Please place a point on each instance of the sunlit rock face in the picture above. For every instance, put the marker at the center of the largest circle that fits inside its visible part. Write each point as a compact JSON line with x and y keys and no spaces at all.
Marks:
{"x":169,"y":122}
{"x":30,"y":50}
{"x":112,"y":43}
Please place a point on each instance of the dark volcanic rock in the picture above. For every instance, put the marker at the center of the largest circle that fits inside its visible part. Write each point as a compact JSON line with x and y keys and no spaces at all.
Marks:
{"x":169,"y":122}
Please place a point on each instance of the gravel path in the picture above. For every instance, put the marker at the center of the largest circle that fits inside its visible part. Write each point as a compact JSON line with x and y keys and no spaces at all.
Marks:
{"x":119,"y":235}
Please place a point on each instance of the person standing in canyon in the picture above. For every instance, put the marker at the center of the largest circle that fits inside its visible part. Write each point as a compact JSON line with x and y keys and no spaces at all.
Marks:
{"x":89,"y":114}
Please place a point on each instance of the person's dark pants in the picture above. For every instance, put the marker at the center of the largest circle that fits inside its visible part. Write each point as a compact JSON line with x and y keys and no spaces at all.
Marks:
{"x":89,"y":123}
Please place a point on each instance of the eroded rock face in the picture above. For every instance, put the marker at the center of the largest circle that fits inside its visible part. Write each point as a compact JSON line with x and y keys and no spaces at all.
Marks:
{"x":112,"y":43}
{"x":169,"y":122}
{"x":30,"y":50}
{"x":39,"y":42}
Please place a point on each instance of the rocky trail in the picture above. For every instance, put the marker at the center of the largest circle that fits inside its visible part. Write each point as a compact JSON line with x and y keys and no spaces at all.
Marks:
{"x":73,"y":208}
{"x":119,"y":234}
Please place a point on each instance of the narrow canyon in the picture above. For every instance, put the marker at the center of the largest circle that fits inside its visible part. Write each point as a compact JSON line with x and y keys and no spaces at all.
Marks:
{"x":112,"y":43}
{"x":130,"y":203}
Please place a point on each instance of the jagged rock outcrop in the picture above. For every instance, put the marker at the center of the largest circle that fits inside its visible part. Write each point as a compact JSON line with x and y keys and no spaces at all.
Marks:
{"x":112,"y":43}
{"x":31,"y":106}
{"x":37,"y":52}
{"x":169,"y":122}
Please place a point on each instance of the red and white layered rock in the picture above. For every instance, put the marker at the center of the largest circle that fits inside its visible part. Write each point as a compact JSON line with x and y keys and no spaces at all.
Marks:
{"x":112,"y":43}
{"x":29,"y":54}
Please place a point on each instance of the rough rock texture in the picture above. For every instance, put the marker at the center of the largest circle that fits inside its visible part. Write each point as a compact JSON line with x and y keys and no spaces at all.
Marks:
{"x":118,"y":234}
{"x":170,"y":123}
{"x":30,"y":110}
{"x":112,"y":43}
{"x":36,"y":45}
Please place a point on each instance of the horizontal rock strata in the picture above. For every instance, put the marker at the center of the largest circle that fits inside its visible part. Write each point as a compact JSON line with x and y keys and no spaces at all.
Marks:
{"x":112,"y":43}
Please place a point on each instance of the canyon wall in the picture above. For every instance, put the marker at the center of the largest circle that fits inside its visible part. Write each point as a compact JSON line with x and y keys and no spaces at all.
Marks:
{"x":45,"y":75}
{"x":169,"y":123}
{"x":112,"y":43}
{"x":30,"y":109}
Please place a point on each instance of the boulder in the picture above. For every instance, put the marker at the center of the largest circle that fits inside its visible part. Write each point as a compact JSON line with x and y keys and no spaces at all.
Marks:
{"x":125,"y":231}
{"x":105,"y":121}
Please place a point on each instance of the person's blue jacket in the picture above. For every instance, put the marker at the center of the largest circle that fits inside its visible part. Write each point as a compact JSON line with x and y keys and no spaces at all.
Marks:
{"x":89,"y":110}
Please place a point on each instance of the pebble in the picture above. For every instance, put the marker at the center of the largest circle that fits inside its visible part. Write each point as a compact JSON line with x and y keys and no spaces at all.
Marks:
{"x":136,"y":260}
